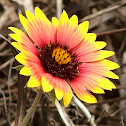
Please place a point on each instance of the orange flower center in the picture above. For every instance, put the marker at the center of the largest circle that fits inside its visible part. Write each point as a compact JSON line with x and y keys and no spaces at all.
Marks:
{"x":61,"y":56}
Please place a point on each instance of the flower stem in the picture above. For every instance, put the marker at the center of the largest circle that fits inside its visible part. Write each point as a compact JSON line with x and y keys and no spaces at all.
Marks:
{"x":32,"y":108}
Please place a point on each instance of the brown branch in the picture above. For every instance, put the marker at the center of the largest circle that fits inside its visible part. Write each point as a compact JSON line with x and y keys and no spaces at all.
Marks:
{"x":111,"y":32}
{"x":103,"y":11}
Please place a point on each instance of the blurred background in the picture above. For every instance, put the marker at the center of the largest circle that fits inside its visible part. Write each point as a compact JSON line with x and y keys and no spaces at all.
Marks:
{"x":107,"y":19}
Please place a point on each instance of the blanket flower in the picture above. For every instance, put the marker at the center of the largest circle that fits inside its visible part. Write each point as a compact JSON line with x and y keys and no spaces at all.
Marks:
{"x":60,"y":55}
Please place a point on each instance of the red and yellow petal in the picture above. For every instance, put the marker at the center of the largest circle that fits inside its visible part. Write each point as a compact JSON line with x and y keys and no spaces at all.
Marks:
{"x":101,"y":81}
{"x":21,"y":58}
{"x":110,"y":74}
{"x":44,"y":25}
{"x":67,"y":93}
{"x":67,"y":33}
{"x":35,"y":25}
{"x":17,"y":45}
{"x":90,"y":37}
{"x":73,"y":21}
{"x":87,"y":48}
{"x":46,"y":81}
{"x":33,"y":82}
{"x":32,"y":64}
{"x":33,"y":32}
{"x":82,"y":92}
{"x":35,"y":66}
{"x":90,"y":85}
{"x":26,"y":57}
{"x":25,"y":42}
{"x":55,"y":24}
{"x":36,"y":69}
{"x":88,"y":68}
{"x":108,"y":64}
{"x":61,"y":87}
{"x":95,"y":56}
{"x":99,"y":44}
{"x":83,"y":27}
{"x":26,"y":71}
{"x":105,"y":83}
{"x":58,"y":88}
{"x":101,"y":64}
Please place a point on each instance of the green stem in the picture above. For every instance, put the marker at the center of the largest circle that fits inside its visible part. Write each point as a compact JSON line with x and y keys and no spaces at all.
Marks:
{"x":32,"y":108}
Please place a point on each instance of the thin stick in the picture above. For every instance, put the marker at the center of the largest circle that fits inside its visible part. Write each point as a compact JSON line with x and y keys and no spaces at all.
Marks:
{"x":1,"y":36}
{"x":6,"y":63}
{"x":111,"y":32}
{"x":67,"y":121}
{"x":103,"y":11}
{"x":84,"y":110}
{"x":9,"y":90}
{"x":32,"y":109}
{"x":59,"y":8}
{"x":28,"y":5}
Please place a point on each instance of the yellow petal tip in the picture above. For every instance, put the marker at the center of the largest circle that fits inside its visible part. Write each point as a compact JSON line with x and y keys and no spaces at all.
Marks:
{"x":46,"y":85}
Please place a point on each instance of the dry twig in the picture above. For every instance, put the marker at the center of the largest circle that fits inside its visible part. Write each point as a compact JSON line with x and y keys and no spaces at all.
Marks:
{"x":67,"y":121}
{"x":84,"y":110}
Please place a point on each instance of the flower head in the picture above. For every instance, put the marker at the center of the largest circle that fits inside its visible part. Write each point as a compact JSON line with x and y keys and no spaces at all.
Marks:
{"x":62,"y":56}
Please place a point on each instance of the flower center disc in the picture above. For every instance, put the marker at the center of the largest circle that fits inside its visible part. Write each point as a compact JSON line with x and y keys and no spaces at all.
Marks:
{"x":61,"y":56}
{"x":59,"y":61}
